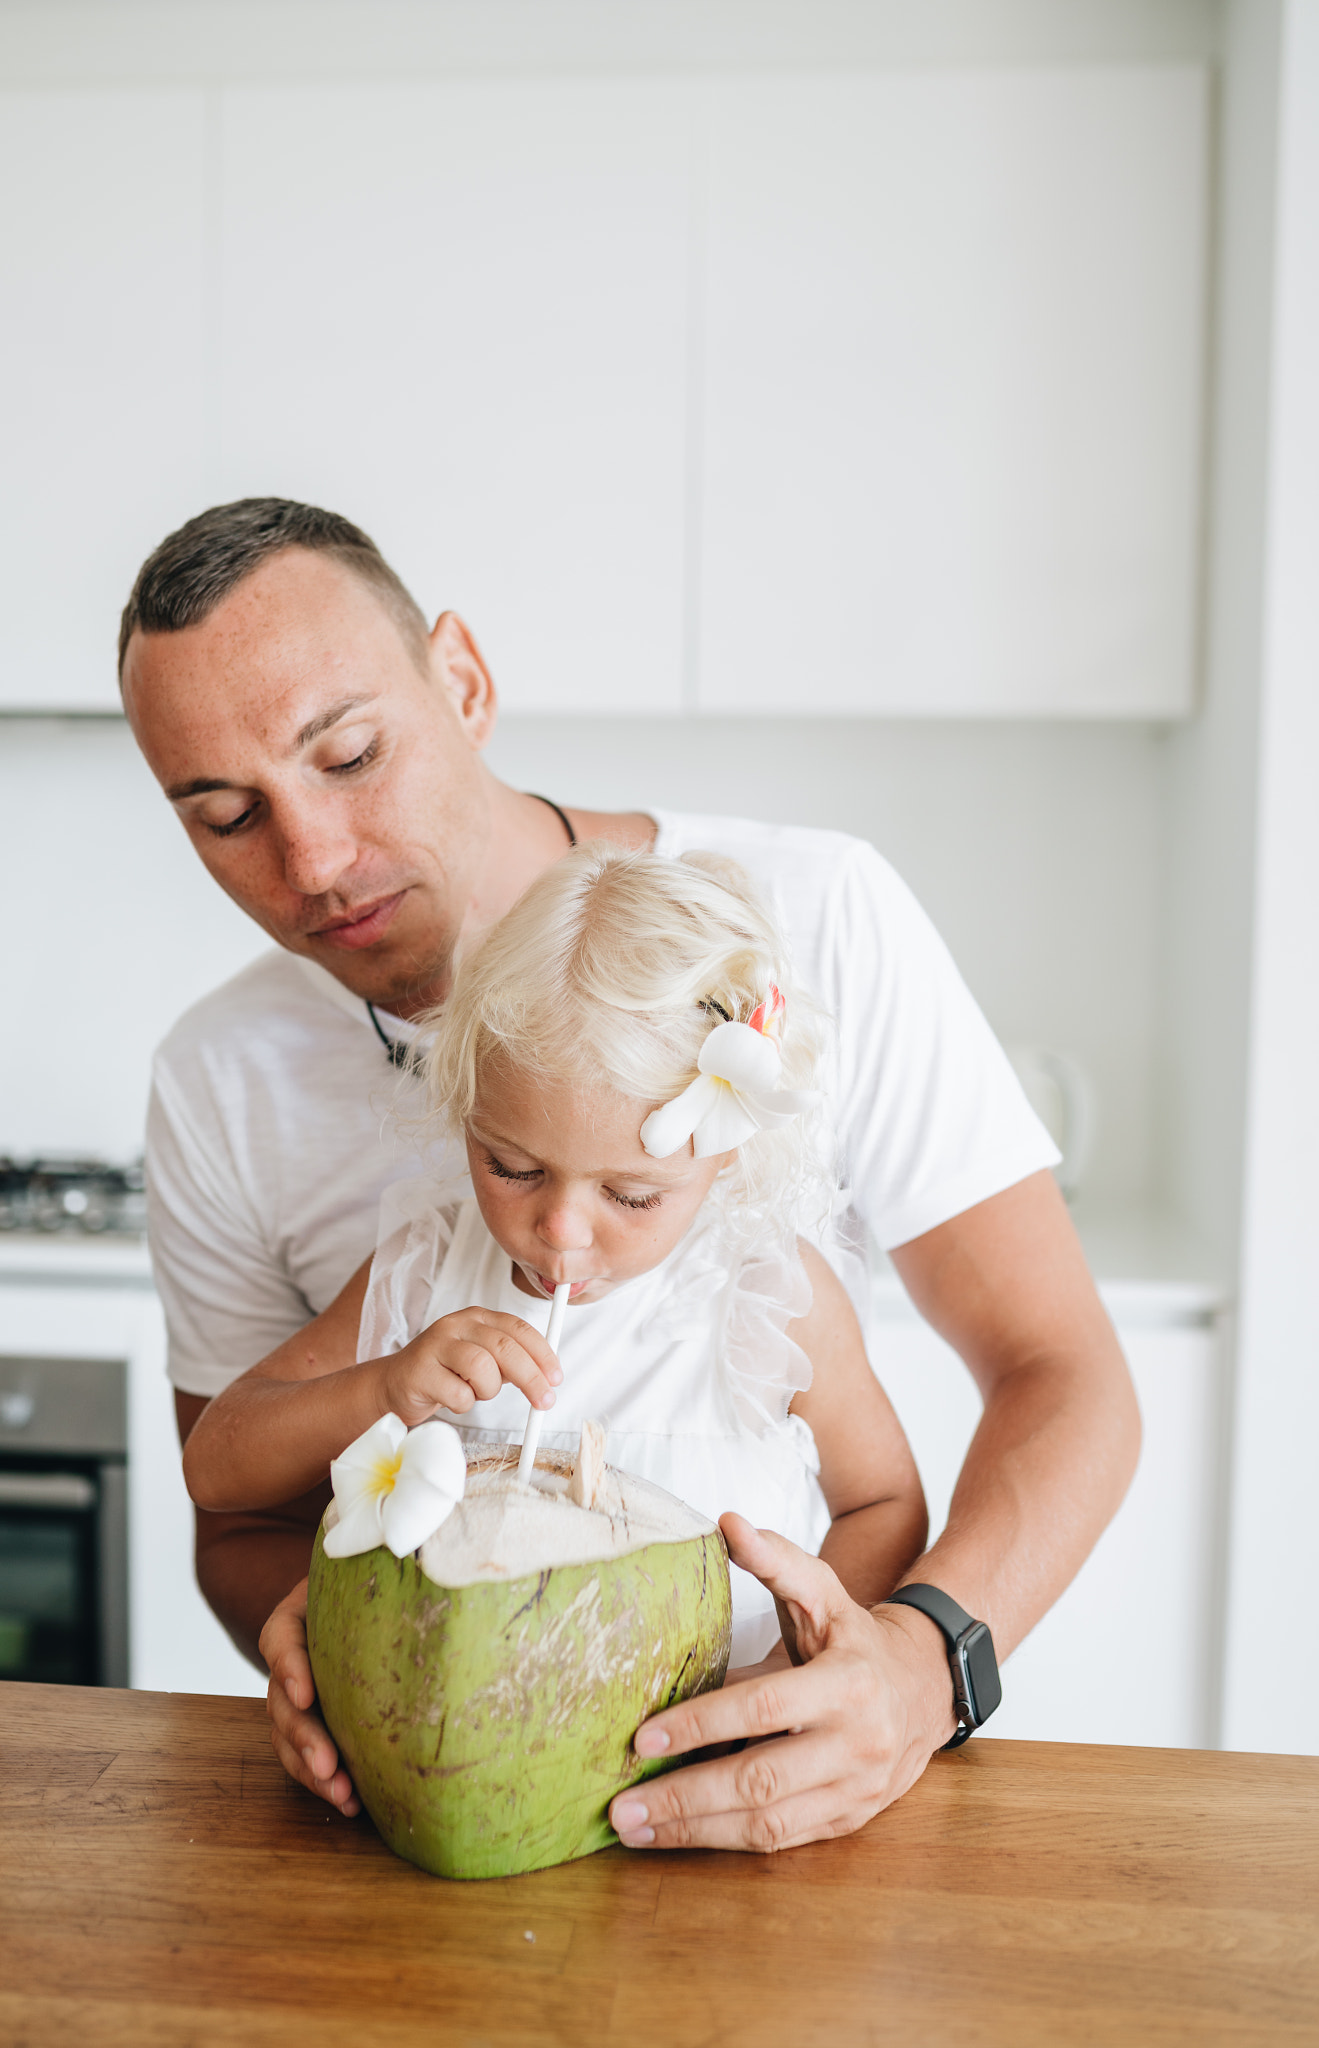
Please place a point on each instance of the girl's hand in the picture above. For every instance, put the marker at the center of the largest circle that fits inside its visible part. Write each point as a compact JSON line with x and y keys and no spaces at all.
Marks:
{"x":467,"y":1357}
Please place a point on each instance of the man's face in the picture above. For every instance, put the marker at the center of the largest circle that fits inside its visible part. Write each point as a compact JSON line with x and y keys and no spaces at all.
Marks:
{"x":330,"y":787}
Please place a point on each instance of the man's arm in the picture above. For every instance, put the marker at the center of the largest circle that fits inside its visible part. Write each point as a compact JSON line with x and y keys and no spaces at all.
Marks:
{"x":854,"y":1727}
{"x":246,"y":1563}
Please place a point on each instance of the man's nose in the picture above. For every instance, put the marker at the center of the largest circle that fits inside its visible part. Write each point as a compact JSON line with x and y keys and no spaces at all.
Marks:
{"x":318,"y":849}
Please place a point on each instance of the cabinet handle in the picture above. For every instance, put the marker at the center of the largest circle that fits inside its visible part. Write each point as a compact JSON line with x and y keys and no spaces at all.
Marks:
{"x":46,"y":1490}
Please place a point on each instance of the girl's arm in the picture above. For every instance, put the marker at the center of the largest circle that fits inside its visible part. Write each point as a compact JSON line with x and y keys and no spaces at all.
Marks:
{"x":270,"y":1436}
{"x":867,"y":1471}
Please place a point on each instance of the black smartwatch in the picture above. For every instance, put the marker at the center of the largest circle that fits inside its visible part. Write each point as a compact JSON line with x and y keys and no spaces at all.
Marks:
{"x":976,"y":1687}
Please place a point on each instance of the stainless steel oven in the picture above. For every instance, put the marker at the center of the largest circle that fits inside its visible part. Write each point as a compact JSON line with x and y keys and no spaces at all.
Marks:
{"x":64,"y":1520}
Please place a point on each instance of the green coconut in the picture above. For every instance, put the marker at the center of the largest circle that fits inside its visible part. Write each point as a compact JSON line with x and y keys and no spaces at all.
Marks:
{"x":484,"y":1691}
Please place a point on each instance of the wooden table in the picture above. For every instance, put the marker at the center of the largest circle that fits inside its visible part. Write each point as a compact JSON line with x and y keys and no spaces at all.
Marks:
{"x":163,"y":1885}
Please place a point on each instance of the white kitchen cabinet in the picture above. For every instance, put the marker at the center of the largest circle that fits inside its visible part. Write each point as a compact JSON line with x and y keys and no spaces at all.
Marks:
{"x":103,"y":361}
{"x":457,"y":313}
{"x":1129,"y":1653}
{"x":953,"y":392}
{"x":71,"y":1299}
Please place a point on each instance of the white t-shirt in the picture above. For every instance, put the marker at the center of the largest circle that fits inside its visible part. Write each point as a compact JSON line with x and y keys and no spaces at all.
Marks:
{"x":689,"y":1367}
{"x":276,"y":1121}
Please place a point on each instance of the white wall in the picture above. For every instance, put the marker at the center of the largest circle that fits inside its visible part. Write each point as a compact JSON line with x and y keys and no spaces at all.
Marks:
{"x":1273,"y":1659}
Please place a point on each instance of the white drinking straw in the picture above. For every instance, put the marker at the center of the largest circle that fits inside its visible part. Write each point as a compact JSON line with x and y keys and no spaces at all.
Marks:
{"x":531,"y":1435}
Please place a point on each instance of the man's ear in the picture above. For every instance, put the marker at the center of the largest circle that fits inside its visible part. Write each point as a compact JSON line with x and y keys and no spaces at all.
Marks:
{"x":459,"y":668}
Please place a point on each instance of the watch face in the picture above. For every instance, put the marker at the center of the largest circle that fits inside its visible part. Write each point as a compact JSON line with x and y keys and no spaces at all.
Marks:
{"x":975,"y":1652}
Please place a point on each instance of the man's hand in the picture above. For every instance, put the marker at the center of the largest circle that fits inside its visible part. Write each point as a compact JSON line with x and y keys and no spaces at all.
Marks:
{"x":829,"y":1744}
{"x":301,"y":1740}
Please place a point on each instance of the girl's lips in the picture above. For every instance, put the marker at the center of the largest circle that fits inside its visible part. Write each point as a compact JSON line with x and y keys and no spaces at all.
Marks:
{"x":360,"y":931}
{"x":547,"y":1287}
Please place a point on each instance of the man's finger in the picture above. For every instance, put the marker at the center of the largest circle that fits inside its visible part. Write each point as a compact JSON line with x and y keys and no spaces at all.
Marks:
{"x":804,"y":1584}
{"x":774,"y":1705}
{"x":303,"y":1732}
{"x":814,"y":1816}
{"x":726,"y":1793}
{"x":336,"y":1790}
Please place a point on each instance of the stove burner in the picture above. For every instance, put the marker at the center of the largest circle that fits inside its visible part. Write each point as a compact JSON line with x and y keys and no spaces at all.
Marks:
{"x":87,"y":1195}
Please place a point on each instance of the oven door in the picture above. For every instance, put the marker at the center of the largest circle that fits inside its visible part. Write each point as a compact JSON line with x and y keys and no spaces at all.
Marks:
{"x":61,"y":1571}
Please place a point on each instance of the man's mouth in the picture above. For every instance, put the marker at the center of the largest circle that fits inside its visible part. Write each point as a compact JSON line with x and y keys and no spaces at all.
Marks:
{"x":360,"y":927}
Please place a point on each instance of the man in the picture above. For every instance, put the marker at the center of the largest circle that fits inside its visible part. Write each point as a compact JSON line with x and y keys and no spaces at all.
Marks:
{"x":322,"y":749}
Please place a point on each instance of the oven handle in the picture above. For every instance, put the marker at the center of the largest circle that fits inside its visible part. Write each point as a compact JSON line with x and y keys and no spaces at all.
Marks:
{"x":46,"y":1490}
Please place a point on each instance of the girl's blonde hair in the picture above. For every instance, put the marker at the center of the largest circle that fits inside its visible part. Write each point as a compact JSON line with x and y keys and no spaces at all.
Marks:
{"x":613,"y":969}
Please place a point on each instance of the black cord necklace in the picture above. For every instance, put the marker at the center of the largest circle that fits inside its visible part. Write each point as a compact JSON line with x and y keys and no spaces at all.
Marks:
{"x":398,"y":1051}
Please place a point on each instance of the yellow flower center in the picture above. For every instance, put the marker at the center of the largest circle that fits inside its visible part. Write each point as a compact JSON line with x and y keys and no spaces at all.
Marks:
{"x":384,"y":1472}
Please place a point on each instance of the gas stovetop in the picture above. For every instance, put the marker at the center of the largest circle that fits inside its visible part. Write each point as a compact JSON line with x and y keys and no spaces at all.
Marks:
{"x":80,"y":1195}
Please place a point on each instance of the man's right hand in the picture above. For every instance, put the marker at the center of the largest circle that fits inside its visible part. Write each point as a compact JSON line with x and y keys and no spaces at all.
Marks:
{"x":300,"y":1738}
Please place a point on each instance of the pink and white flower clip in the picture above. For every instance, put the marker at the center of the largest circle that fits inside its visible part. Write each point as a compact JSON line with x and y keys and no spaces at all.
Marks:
{"x":735,"y":1093}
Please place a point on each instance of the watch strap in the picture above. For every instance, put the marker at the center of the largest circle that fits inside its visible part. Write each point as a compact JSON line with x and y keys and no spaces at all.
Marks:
{"x":944,"y":1612}
{"x":953,"y":1623}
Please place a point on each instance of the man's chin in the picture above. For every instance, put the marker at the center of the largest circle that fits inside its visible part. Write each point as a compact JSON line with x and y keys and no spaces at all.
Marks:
{"x":379,"y":976}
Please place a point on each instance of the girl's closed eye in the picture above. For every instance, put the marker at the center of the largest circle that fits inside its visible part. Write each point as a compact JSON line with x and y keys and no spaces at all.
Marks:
{"x":634,"y":1201}
{"x":502,"y":1172}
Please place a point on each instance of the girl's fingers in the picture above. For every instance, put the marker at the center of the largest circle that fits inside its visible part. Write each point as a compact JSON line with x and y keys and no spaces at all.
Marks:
{"x":524,"y":1339}
{"x":485,"y":1352}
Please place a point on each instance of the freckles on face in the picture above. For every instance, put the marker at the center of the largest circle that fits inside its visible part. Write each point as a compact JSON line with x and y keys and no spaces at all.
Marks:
{"x":323,"y":779}
{"x":567,"y":1189}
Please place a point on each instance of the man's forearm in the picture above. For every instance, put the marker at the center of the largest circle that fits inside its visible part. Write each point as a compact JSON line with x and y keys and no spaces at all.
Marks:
{"x":246,"y":1568}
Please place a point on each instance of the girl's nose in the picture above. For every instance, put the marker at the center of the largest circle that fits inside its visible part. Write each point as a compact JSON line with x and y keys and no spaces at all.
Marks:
{"x":562,"y":1226}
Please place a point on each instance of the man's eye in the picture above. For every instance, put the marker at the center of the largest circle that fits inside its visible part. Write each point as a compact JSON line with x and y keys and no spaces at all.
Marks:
{"x":634,"y":1201}
{"x":361,"y":760}
{"x":231,"y":825}
{"x":502,"y":1172}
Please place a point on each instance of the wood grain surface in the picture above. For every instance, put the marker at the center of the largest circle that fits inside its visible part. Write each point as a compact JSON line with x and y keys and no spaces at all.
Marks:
{"x":162,"y":1884}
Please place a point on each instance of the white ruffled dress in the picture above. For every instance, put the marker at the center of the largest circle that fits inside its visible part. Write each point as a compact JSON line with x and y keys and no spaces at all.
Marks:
{"x":689,"y":1368}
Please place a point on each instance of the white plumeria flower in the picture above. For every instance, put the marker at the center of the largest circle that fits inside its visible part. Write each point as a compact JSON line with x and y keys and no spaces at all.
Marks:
{"x":735,"y":1093}
{"x":395,"y":1486}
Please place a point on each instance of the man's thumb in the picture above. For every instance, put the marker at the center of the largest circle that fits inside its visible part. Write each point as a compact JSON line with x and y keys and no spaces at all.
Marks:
{"x":807,"y":1594}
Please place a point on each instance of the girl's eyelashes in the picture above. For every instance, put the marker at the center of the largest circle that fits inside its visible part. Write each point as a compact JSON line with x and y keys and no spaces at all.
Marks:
{"x":634,"y":1201}
{"x":502,"y":1172}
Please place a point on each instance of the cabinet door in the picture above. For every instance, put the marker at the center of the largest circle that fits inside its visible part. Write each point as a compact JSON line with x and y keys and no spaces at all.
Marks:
{"x":1128,"y":1654}
{"x":953,"y":393}
{"x":456,"y":313}
{"x":102,"y":372}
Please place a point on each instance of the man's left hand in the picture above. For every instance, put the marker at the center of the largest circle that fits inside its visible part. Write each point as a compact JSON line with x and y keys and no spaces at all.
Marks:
{"x":829,"y":1744}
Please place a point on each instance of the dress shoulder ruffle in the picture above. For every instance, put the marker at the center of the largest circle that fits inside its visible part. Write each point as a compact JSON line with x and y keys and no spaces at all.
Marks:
{"x":746,"y":1303}
{"x":414,"y":1232}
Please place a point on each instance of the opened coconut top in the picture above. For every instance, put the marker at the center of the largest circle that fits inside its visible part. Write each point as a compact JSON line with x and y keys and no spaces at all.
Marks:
{"x":503,"y":1530}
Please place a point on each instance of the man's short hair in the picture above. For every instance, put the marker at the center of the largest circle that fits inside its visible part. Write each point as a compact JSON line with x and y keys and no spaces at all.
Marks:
{"x":183,"y":580}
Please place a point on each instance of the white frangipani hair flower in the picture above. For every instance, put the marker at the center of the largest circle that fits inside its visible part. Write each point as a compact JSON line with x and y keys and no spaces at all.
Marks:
{"x":735,"y":1093}
{"x":395,"y":1486}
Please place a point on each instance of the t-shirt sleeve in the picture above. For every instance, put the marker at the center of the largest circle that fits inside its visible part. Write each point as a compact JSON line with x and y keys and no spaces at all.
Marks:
{"x":226,"y":1301}
{"x":932,"y":1117}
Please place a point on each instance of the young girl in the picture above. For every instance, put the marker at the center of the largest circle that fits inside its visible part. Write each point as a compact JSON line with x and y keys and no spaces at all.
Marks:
{"x":629,"y":1063}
